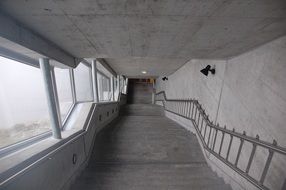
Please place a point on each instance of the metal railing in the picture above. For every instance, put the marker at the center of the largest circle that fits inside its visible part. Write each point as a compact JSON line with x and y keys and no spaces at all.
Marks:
{"x":192,"y":110}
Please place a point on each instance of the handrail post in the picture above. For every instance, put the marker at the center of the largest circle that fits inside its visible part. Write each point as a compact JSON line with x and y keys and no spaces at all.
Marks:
{"x":153,"y":92}
{"x":185,"y":110}
{"x":189,"y":108}
{"x":214,"y":141}
{"x":51,"y":99}
{"x":221,"y":142}
{"x":209,"y":136}
{"x":239,"y":150}
{"x":193,"y":105}
{"x":205,"y":131}
{"x":229,"y":147}
{"x":198,"y":123}
{"x":202,"y":123}
{"x":251,"y":158}
{"x":196,"y":112}
{"x":267,"y":164}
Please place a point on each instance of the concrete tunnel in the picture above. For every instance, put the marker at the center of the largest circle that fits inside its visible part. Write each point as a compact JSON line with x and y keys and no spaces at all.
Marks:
{"x":142,"y":95}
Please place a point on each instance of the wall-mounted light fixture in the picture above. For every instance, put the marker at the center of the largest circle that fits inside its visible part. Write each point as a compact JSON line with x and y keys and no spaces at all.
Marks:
{"x":208,"y":69}
{"x":165,"y":78}
{"x":144,"y":72}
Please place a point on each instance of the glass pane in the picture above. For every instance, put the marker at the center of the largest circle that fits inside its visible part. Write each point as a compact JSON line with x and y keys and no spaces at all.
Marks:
{"x":125,"y":86}
{"x":64,"y":91}
{"x":104,"y":91}
{"x":83,"y":83}
{"x":116,"y":89}
{"x":121,"y":84}
{"x":23,"y":106}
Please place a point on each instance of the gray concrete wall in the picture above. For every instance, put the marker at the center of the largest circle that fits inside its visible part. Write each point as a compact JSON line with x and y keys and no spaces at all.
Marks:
{"x":188,"y":82}
{"x":248,"y":92}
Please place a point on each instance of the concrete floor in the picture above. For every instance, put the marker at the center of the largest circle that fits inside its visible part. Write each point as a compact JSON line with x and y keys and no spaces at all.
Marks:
{"x":147,"y":151}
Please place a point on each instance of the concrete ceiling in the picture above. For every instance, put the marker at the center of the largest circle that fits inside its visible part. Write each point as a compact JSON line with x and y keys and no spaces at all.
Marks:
{"x":158,"y":36}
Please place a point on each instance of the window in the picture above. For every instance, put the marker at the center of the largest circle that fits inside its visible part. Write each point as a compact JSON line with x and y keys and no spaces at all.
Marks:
{"x":116,"y":88}
{"x":104,"y":91}
{"x":64,"y":91}
{"x":123,"y":85}
{"x":83,"y":86}
{"x":23,"y":106}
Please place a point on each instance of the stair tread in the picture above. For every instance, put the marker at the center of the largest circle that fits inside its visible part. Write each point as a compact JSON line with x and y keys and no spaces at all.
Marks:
{"x":147,"y":152}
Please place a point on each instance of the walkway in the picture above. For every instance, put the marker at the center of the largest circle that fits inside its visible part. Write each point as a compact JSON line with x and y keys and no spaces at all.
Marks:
{"x":144,"y":150}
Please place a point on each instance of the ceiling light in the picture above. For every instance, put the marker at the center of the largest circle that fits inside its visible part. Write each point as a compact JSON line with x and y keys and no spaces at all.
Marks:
{"x":143,"y":72}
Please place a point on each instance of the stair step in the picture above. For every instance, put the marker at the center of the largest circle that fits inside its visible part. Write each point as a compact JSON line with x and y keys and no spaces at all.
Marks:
{"x":150,"y":177}
{"x":145,"y":150}
{"x":142,"y":109}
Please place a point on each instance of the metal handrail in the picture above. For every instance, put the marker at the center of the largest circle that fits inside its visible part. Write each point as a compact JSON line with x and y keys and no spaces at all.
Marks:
{"x":192,"y":110}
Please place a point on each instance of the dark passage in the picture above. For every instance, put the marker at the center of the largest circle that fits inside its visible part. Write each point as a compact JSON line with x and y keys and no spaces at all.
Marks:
{"x":139,"y":91}
{"x":144,"y":150}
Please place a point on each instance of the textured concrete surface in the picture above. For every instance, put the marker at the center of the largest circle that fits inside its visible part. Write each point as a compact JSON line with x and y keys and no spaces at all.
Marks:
{"x":141,"y":109}
{"x":24,"y":37}
{"x":247,"y":93}
{"x":189,"y":82}
{"x":254,"y":99}
{"x":147,"y":152}
{"x":141,"y":34}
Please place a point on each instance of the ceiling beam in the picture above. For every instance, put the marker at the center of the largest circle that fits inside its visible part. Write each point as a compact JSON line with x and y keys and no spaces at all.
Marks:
{"x":18,"y":57}
{"x":107,"y":66}
{"x":16,"y":32}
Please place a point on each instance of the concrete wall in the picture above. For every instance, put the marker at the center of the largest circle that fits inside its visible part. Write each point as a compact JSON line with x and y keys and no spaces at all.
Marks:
{"x":188,"y":82}
{"x":248,"y":92}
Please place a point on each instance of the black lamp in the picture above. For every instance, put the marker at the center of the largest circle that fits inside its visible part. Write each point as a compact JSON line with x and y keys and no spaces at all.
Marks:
{"x":164,"y":78}
{"x":208,"y":69}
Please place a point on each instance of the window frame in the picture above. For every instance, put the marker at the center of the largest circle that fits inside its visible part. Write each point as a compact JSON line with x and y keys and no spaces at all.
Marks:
{"x":62,"y":124}
{"x":110,"y":88}
{"x":31,"y":140}
{"x":91,"y":83}
{"x":71,"y":78}
{"x":123,"y":84}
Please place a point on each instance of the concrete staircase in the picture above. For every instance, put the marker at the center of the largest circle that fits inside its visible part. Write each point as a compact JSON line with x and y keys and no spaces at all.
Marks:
{"x":142,"y":109}
{"x":144,"y":150}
